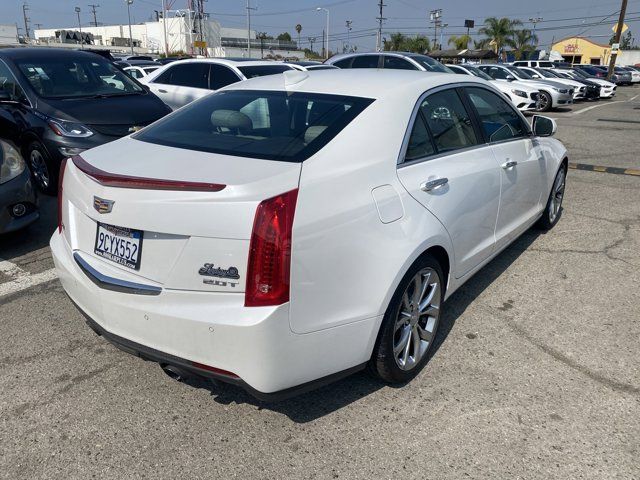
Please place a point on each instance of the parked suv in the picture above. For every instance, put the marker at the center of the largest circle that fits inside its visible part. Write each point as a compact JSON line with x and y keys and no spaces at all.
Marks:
{"x":534,"y":63}
{"x":66,"y":102}
{"x":180,"y":83}
{"x":393,"y":60}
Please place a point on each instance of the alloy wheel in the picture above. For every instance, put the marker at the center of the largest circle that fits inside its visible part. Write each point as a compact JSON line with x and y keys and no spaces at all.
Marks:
{"x":417,"y":319}
{"x":543,"y":102}
{"x":557,"y":194}
{"x":39,"y":168}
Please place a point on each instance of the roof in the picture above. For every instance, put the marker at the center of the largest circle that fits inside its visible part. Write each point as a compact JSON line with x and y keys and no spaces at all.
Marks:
{"x":366,"y":82}
{"x":359,"y":54}
{"x":466,"y":53}
{"x":42,"y":52}
{"x":232,"y":63}
{"x":588,"y":40}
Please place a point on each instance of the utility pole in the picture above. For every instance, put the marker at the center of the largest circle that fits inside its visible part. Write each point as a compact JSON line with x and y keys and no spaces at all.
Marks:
{"x":311,"y":41}
{"x":349,"y":22}
{"x":164,"y":27}
{"x":612,"y":60}
{"x":535,"y":21}
{"x":435,"y":16}
{"x":249,"y":8}
{"x":380,"y":19}
{"x":129,"y":2}
{"x":25,"y":9}
{"x":95,"y":17}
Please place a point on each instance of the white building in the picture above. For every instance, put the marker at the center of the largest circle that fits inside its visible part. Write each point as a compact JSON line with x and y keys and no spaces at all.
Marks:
{"x":9,"y":35}
{"x":182,"y":35}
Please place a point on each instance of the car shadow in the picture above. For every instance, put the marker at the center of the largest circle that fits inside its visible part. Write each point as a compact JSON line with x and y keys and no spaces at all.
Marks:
{"x":36,"y":235}
{"x":325,"y":400}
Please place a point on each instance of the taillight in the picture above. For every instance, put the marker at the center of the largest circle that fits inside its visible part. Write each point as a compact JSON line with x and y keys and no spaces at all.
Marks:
{"x":269,"y":268}
{"x":63,"y":166}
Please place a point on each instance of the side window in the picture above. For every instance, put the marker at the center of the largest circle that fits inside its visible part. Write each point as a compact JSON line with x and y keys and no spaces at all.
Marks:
{"x":344,"y":63}
{"x":449,"y":122}
{"x":499,"y":120}
{"x":397,"y":63}
{"x":194,"y":75}
{"x":9,"y":84}
{"x":497,"y":73}
{"x":457,"y":70}
{"x":221,"y":76}
{"x":420,"y":144}
{"x":365,"y":61}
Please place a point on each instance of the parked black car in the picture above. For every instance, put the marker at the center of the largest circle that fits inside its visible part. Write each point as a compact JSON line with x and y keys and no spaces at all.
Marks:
{"x":65,"y":102}
{"x":18,"y":200}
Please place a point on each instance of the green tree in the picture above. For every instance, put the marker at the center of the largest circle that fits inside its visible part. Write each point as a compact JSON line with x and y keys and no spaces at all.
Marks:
{"x":499,"y":31}
{"x":625,"y":41}
{"x":481,"y":44}
{"x":395,"y":43}
{"x":418,"y":44}
{"x":400,"y":42}
{"x":284,"y":37}
{"x":459,"y":42}
{"x":522,"y":41}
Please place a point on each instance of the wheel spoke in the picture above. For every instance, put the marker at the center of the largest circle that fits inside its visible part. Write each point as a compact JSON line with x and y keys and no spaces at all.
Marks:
{"x":429,"y":299}
{"x":417,"y":289}
{"x":404,"y":339}
{"x":415,"y":340}
{"x":405,"y":354}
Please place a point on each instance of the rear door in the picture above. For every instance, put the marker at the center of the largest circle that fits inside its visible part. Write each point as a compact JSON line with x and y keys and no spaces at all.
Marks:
{"x":447,"y":168}
{"x":521,"y":162}
{"x":182,"y":83}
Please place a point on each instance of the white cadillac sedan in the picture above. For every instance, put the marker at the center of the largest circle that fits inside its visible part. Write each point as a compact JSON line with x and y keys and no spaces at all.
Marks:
{"x":293,"y":229}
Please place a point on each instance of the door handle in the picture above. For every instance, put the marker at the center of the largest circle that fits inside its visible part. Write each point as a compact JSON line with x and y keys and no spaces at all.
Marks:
{"x":509,"y":164}
{"x":162,"y":91}
{"x":433,"y":184}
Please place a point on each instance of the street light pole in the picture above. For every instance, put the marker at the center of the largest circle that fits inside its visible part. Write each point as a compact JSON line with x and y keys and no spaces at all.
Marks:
{"x":129,"y":2}
{"x":80,"y":27}
{"x":327,"y":30}
{"x":164,"y":27}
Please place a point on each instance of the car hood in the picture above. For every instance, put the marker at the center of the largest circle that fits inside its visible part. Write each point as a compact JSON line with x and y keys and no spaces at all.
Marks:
{"x":542,"y":83}
{"x":527,"y":87}
{"x":128,"y":109}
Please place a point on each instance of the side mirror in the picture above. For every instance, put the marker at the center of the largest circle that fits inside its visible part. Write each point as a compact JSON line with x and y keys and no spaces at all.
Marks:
{"x":543,"y":126}
{"x":510,"y":78}
{"x":535,"y":75}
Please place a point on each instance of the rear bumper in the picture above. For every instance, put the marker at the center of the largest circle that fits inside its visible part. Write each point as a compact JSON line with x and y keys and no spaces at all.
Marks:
{"x":254,"y":347}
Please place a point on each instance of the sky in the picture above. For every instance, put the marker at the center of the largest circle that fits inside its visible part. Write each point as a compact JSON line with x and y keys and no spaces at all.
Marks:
{"x":561,"y":18}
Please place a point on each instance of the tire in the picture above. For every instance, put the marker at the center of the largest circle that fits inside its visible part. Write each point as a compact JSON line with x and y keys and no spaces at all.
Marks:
{"x":545,"y":102}
{"x":44,"y":170}
{"x":406,"y":329}
{"x":553,"y":209}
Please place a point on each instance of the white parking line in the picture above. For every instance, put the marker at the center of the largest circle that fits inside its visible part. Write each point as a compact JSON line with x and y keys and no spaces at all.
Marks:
{"x":633,"y":98}
{"x":21,"y":279}
{"x":598,"y":106}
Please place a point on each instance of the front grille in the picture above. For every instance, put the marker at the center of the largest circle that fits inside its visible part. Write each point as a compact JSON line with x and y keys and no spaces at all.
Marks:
{"x":116,"y":130}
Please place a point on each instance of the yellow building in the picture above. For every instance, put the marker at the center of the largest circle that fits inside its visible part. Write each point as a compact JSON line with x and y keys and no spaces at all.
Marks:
{"x":582,"y":50}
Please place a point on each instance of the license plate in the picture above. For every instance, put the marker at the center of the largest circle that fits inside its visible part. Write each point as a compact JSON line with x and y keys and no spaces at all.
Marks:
{"x":120,"y":245}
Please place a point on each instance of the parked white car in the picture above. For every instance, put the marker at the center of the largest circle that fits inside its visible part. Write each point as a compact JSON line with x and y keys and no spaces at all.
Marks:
{"x":552,"y":94}
{"x":523,"y":96}
{"x":140,"y":72}
{"x":293,"y":229}
{"x":607,"y":89}
{"x":182,"y":82}
{"x":309,"y":66}
{"x":579,"y":89}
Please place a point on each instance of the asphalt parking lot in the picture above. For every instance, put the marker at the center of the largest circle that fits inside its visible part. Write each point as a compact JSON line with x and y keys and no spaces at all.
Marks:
{"x":536,"y":374}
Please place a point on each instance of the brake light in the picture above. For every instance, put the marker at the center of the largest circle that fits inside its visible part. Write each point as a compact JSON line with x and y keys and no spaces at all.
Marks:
{"x":63,"y":167}
{"x":269,"y":267}
{"x":219,"y":371}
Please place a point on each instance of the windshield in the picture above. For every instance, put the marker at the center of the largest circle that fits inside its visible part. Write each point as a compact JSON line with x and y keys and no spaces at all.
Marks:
{"x":546,"y":73}
{"x":262,"y":70}
{"x":579,"y":73}
{"x":271,"y":125}
{"x":519,"y":73}
{"x":429,"y":64}
{"x":80,"y":77}
{"x":478,"y":73}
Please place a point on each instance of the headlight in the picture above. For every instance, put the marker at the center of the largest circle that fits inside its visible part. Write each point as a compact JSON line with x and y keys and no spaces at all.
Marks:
{"x":520,"y":93}
{"x":560,"y":90}
{"x":68,"y":129}
{"x":11,"y":163}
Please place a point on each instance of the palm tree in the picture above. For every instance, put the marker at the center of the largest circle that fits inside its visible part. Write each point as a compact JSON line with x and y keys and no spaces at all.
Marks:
{"x":298,"y":29}
{"x":522,"y":41}
{"x":499,"y":30}
{"x":395,"y":43}
{"x":418,"y":44}
{"x":461,"y":42}
{"x":481,"y":44}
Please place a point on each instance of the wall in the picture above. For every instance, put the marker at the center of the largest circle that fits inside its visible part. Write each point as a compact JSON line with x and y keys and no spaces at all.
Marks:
{"x":582,"y":50}
{"x":628,"y":57}
{"x":8,"y":35}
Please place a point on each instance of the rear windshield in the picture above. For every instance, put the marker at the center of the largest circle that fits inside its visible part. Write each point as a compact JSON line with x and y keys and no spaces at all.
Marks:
{"x":429,"y":64}
{"x":78,"y":77}
{"x":262,"y":70}
{"x":271,"y":125}
{"x":479,"y":73}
